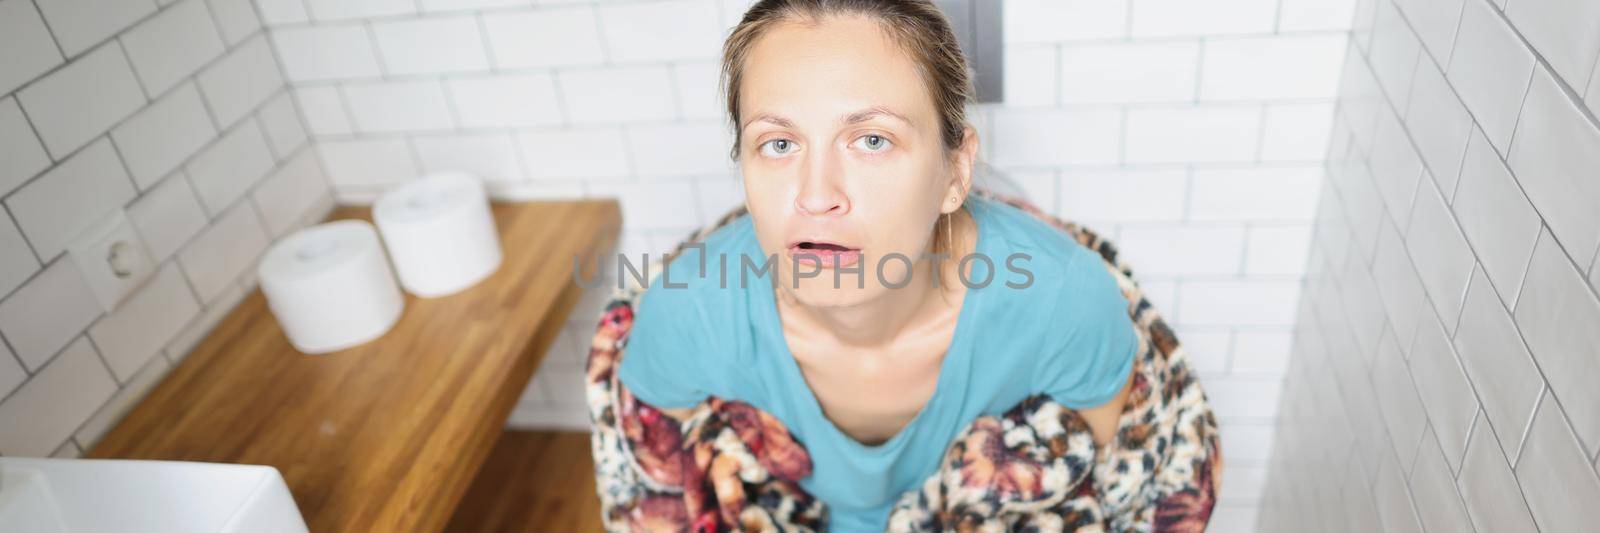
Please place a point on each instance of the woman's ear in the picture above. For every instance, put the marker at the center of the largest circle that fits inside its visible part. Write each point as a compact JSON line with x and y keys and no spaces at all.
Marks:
{"x":966,"y":157}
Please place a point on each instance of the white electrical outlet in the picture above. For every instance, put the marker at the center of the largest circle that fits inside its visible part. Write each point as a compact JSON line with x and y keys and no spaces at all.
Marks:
{"x":112,"y":259}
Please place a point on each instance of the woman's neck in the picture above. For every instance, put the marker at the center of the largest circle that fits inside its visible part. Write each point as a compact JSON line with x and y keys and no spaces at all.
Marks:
{"x":878,"y":322}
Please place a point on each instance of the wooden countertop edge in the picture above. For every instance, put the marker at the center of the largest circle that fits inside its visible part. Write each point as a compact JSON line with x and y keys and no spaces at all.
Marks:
{"x":430,"y":504}
{"x":484,"y":441}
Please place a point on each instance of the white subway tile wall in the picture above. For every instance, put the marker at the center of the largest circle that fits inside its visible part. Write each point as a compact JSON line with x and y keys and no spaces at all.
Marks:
{"x":1460,"y":225}
{"x":26,"y":47}
{"x":73,"y":105}
{"x":281,"y":120}
{"x":1452,"y":249}
{"x":229,"y":167}
{"x":323,"y":110}
{"x":52,"y":209}
{"x":130,"y":336}
{"x":325,"y":52}
{"x":238,"y":83}
{"x":282,"y":11}
{"x":79,"y":25}
{"x":163,"y":135}
{"x":172,"y":45}
{"x":431,"y":45}
{"x":401,"y":106}
{"x":492,"y":156}
{"x":505,"y":101}
{"x":67,"y":391}
{"x":236,"y":19}
{"x":176,"y":112}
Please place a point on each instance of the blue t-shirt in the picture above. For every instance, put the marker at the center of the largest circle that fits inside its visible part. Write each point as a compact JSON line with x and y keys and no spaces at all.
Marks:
{"x":1068,"y":334}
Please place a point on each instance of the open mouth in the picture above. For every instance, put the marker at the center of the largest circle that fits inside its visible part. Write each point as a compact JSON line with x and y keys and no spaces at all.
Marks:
{"x":823,"y":254}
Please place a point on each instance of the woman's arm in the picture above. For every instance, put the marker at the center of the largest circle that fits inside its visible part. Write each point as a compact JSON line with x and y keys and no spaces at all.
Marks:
{"x":1103,"y":418}
{"x":673,"y":361}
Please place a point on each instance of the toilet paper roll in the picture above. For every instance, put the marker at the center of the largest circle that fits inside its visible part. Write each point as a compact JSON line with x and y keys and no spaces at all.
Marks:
{"x":439,"y":232}
{"x":330,"y":286}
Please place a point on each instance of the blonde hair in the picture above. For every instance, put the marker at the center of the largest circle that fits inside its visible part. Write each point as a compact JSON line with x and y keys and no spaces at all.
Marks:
{"x":918,"y":26}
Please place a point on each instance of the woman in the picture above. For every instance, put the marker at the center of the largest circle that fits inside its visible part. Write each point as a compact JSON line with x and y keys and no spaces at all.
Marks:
{"x":897,"y":308}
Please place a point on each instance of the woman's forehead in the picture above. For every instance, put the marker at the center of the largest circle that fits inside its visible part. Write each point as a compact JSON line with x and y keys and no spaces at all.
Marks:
{"x":830,"y":71}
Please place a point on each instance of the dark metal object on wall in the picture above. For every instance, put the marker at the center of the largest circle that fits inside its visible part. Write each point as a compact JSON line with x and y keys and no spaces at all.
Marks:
{"x":977,"y":24}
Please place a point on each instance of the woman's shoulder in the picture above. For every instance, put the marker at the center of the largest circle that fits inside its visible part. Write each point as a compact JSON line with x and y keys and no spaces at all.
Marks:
{"x":1076,"y":336}
{"x":693,"y":285}
{"x":1054,"y":258}
{"x":1069,"y":290}
{"x":686,"y":325}
{"x":686,"y":259}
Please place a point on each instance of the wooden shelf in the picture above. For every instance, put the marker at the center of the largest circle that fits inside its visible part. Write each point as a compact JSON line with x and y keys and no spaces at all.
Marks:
{"x":534,"y":481}
{"x":385,"y":436}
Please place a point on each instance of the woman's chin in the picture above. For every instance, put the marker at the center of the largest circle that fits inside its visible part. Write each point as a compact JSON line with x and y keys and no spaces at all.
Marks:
{"x":821,"y":291}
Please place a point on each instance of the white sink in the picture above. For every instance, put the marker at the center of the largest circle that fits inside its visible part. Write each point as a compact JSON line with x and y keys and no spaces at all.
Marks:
{"x":93,"y":495}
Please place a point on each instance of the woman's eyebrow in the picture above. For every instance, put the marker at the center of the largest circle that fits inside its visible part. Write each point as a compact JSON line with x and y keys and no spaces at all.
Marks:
{"x":856,"y":117}
{"x":874,"y":111}
{"x":768,"y":117}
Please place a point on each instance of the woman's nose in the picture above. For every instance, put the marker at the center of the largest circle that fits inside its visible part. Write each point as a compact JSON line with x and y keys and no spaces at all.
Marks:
{"x":816,"y":201}
{"x":821,"y":191}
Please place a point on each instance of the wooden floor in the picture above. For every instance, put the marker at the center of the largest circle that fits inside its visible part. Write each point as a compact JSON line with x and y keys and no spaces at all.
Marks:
{"x":533,"y":481}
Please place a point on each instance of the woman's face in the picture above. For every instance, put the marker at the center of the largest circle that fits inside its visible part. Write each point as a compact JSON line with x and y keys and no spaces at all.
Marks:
{"x":842,"y":158}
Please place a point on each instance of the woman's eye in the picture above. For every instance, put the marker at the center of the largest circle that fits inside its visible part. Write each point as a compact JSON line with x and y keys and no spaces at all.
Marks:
{"x":782,"y":146}
{"x":874,"y":143}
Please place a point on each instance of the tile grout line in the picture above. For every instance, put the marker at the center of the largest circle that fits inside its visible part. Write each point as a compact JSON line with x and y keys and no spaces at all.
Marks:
{"x":192,"y":79}
{"x":1527,"y":93}
{"x":61,"y":51}
{"x":1522,"y":441}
